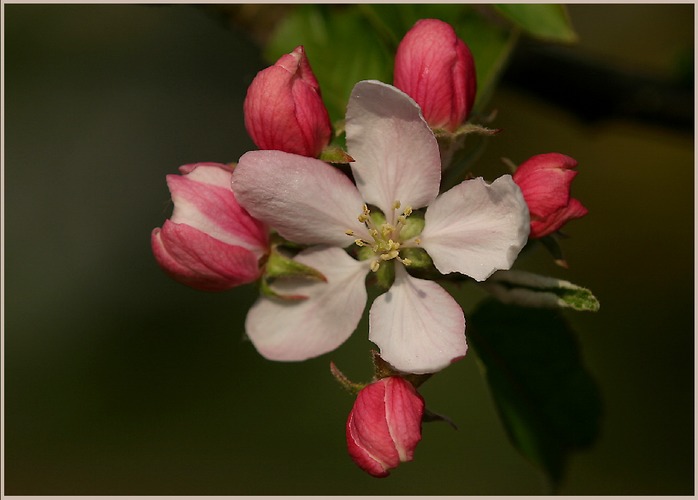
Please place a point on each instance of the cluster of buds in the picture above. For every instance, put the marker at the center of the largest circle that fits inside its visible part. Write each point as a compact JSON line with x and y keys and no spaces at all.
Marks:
{"x":231,"y":225}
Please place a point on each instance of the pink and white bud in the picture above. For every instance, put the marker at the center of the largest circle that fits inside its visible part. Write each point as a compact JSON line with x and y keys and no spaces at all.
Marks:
{"x":436,"y":69}
{"x":545,"y":181}
{"x":385,"y":425}
{"x":210,"y":242}
{"x":284,"y":109}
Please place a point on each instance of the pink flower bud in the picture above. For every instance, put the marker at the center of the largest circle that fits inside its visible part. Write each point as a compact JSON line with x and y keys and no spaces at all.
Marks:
{"x":210,"y":242}
{"x":284,"y":110}
{"x":385,"y":425}
{"x":436,"y":69}
{"x":545,"y":182}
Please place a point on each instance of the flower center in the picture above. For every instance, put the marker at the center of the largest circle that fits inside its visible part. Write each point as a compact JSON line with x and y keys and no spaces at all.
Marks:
{"x":386,"y":236}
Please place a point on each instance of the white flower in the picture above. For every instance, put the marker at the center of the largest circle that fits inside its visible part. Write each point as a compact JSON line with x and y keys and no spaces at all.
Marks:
{"x":473,"y":229}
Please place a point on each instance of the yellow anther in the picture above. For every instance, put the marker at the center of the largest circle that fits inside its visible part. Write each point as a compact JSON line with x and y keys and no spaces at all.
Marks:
{"x":373,"y":232}
{"x":362,"y":218}
{"x":406,"y":262}
{"x":418,"y":241}
{"x":375,"y":265}
{"x":390,"y":255}
{"x":396,"y":204}
{"x":408,"y":211}
{"x":349,"y":232}
{"x":360,"y":243}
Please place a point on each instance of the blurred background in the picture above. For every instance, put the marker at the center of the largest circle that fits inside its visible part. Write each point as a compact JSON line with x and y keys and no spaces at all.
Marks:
{"x":119,"y":381}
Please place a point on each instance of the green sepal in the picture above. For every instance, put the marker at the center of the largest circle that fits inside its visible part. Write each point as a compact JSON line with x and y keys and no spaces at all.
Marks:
{"x":418,"y":257}
{"x":532,"y":290}
{"x":350,"y":386}
{"x":364,"y":253}
{"x":377,"y":217}
{"x":280,"y":266}
{"x":385,"y":275}
{"x":266,"y":290}
{"x":335,"y":155}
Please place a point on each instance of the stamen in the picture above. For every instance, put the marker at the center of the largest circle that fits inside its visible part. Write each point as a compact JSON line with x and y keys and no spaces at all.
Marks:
{"x":390,"y":255}
{"x":384,"y":241}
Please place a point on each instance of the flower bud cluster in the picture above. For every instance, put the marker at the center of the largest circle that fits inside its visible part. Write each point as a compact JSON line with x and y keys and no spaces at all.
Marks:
{"x":211,"y":242}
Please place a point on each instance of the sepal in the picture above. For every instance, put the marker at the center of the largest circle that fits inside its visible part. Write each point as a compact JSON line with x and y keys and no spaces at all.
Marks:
{"x":278,"y":266}
{"x":335,"y":155}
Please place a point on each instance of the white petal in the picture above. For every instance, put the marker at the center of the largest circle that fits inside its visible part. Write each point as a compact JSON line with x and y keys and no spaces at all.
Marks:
{"x":476,"y":228}
{"x":396,"y":155}
{"x":306,"y":200}
{"x":298,"y":330}
{"x":418,"y":326}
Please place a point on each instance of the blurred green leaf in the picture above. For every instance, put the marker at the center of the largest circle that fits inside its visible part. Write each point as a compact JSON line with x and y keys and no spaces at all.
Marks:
{"x":548,"y":22}
{"x":548,"y":402}
{"x":349,"y":43}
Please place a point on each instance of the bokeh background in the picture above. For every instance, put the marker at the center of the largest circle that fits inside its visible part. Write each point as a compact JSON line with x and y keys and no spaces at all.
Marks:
{"x":119,"y":381}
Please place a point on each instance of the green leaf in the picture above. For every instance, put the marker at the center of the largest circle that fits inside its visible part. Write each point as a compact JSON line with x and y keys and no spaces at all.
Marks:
{"x":532,"y":290}
{"x":548,"y":22}
{"x":548,"y":402}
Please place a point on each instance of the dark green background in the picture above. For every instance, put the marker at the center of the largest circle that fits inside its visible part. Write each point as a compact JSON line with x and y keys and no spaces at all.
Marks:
{"x":120,"y":381}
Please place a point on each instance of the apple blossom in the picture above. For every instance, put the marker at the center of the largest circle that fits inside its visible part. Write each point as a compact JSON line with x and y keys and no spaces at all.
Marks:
{"x":545,"y":182}
{"x":284,"y":110}
{"x":474,"y":229}
{"x":385,"y":425}
{"x":436,"y":69}
{"x":210,"y":242}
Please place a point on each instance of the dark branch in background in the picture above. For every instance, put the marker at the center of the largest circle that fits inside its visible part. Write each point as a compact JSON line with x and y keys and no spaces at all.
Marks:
{"x":593,"y":91}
